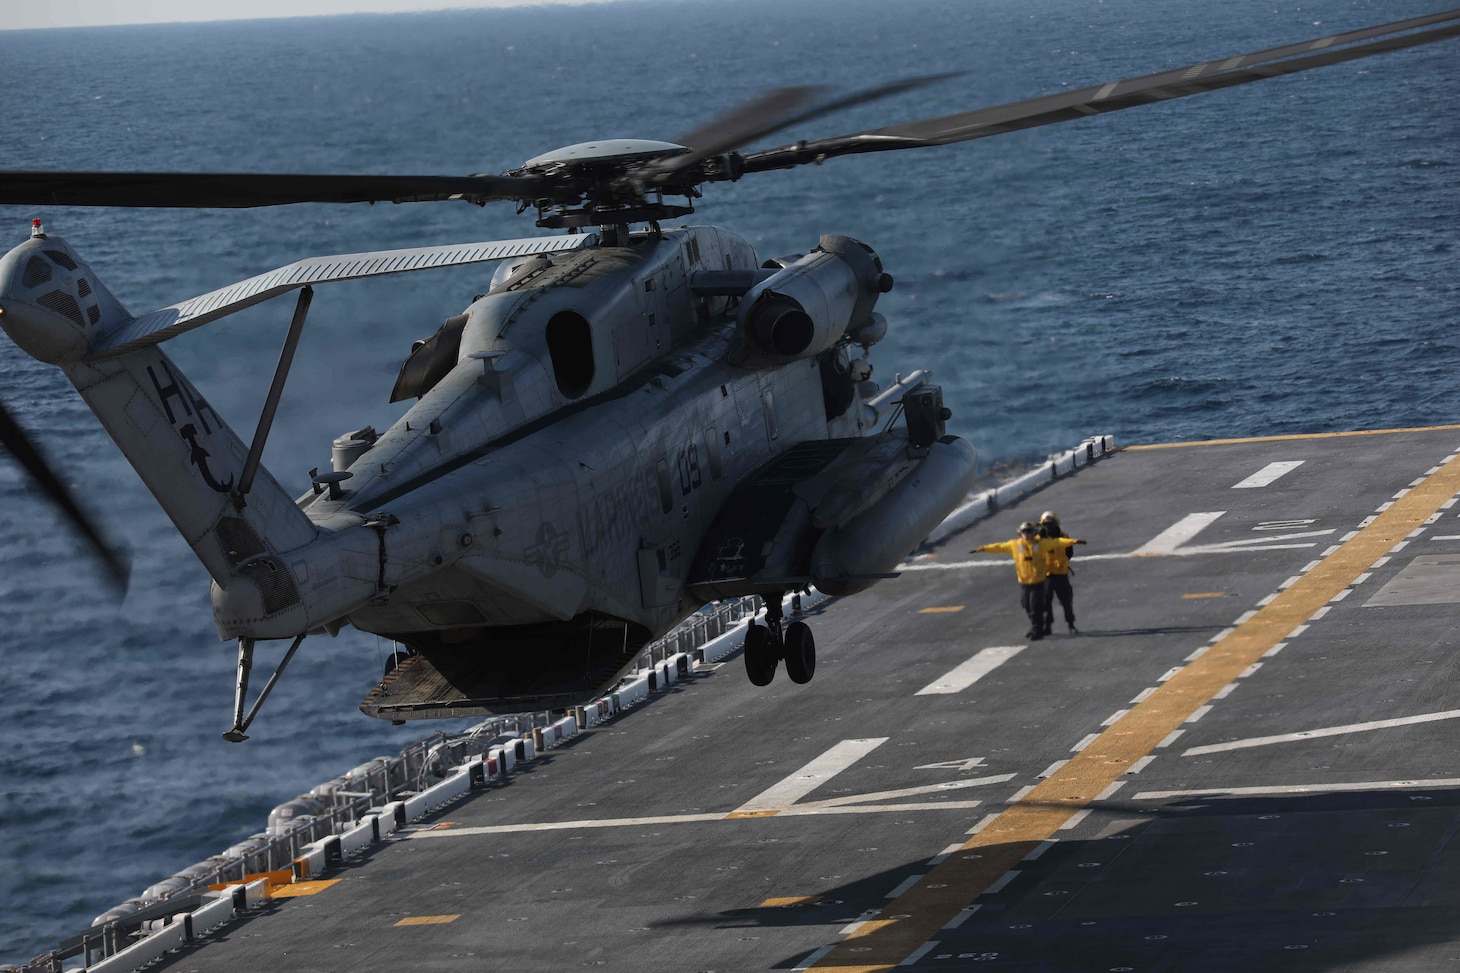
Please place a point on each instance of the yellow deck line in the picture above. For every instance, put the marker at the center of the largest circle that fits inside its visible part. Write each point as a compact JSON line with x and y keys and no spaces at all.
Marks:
{"x":312,"y":887}
{"x":782,"y":901}
{"x":428,"y":920}
{"x":916,"y":916}
{"x":1292,"y":436}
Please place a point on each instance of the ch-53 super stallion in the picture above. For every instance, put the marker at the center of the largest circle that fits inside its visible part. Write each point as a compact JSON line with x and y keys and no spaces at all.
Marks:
{"x":632,"y":420}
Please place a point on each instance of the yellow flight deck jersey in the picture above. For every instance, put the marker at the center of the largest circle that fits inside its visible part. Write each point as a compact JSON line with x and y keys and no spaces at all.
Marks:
{"x":1057,"y":561}
{"x":1030,"y":557}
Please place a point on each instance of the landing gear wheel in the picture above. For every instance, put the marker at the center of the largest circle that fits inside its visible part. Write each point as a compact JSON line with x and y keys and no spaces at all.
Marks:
{"x":800,"y":652}
{"x":760,"y":655}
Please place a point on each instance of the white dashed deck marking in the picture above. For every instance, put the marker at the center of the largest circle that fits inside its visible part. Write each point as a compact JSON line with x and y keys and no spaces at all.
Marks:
{"x":1269,"y":473}
{"x":970,"y":672}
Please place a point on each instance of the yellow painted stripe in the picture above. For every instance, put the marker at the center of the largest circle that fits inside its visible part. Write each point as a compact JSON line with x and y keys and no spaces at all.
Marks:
{"x":303,"y":888}
{"x":1294,"y":436}
{"x":785,"y":900}
{"x":884,"y":941}
{"x":1206,"y":594}
{"x":428,"y":920}
{"x":940,"y":609}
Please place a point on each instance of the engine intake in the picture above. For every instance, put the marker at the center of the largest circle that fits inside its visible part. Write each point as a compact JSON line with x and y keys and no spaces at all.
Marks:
{"x":806,"y":308}
{"x":780,"y":325}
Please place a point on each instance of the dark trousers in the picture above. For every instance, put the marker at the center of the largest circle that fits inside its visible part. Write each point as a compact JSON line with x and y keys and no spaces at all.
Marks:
{"x":1058,"y":586}
{"x":1031,"y":599}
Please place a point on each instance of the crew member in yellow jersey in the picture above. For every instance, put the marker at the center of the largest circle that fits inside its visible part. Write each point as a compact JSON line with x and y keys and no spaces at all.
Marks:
{"x":1031,"y":567}
{"x":1057,"y":584}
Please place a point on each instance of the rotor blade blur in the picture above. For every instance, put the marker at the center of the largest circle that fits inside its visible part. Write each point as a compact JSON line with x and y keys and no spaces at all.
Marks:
{"x":722,"y":136}
{"x":14,"y":438}
{"x":866,"y":95}
{"x":1113,"y":96}
{"x":239,"y":190}
{"x":767,"y":113}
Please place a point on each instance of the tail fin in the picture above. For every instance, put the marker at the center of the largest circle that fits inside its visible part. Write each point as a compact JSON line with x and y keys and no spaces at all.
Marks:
{"x":55,"y":308}
{"x":190,"y":459}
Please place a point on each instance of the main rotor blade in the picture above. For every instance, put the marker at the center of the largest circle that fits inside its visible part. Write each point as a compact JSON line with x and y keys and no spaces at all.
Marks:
{"x":1116,"y":95}
{"x":241,"y":189}
{"x":767,"y":115}
{"x":14,"y":438}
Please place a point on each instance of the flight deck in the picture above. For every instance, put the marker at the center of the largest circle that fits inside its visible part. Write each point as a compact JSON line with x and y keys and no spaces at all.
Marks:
{"x":1248,"y":758}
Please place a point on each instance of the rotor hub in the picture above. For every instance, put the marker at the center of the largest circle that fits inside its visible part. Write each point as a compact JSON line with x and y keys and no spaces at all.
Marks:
{"x":616,"y":155}
{"x":599,"y":186}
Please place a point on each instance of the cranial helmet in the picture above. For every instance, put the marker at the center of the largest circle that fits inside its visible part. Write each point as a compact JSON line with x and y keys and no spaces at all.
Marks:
{"x":1028,"y":527}
{"x":1047,"y":516}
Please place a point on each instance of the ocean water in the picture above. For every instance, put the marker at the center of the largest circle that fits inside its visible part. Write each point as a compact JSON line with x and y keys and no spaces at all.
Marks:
{"x":1279,"y":258}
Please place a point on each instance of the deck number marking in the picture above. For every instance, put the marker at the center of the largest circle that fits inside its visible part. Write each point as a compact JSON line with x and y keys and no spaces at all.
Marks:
{"x":968,"y":764}
{"x":1284,"y":524}
{"x":1173,"y":540}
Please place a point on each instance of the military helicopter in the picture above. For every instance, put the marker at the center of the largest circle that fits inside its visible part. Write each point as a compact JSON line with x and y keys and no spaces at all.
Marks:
{"x":633,"y":419}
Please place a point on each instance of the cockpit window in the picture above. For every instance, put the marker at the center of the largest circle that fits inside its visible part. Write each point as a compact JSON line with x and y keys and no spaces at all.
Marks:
{"x":570,"y":343}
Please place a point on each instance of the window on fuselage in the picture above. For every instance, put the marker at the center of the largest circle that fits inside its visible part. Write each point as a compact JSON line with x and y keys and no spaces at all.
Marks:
{"x":570,"y":343}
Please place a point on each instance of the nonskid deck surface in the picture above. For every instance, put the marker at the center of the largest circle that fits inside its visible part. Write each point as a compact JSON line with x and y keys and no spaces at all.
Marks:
{"x":1248,"y":759}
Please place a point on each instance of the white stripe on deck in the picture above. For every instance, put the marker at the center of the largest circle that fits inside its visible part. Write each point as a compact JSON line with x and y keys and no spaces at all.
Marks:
{"x":1263,"y":543}
{"x":1375,"y":785}
{"x":813,"y":959}
{"x":970,"y":672}
{"x":1178,"y":533}
{"x":906,"y":884}
{"x":799,"y":810}
{"x":1268,"y":474}
{"x":919,"y":953}
{"x":1325,"y":732}
{"x":813,"y":775}
{"x":857,"y":799}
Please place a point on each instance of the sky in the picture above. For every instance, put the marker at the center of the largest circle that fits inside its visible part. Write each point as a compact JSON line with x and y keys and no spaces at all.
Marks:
{"x":93,"y":13}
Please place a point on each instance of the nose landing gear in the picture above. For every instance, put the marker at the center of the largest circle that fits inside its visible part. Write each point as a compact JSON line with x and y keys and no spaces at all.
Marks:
{"x":766,"y":645}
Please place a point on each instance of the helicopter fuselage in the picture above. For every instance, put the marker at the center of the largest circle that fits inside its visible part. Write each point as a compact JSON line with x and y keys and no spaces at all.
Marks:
{"x":580,"y":431}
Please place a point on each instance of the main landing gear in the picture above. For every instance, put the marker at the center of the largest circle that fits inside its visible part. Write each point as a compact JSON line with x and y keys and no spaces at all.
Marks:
{"x":235,"y":733}
{"x":766,"y":645}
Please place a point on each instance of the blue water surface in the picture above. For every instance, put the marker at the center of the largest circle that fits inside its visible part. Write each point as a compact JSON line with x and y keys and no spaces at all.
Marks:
{"x":1278,"y":258}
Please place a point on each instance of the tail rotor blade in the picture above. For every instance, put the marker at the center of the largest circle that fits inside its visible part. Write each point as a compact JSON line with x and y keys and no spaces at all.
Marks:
{"x":14,"y":438}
